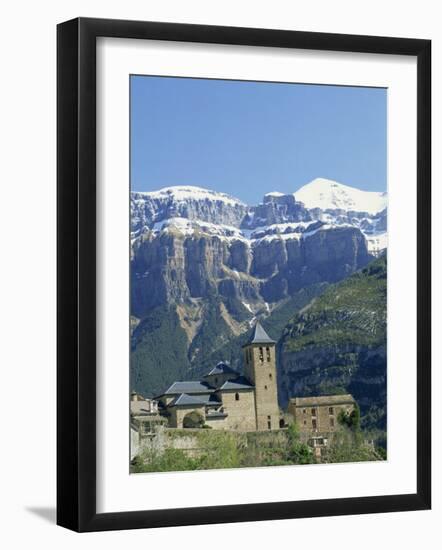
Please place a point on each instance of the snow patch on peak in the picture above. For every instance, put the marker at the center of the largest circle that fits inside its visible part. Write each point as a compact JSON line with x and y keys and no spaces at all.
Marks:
{"x":190,"y":227}
{"x":332,"y":195}
{"x":189,"y":192}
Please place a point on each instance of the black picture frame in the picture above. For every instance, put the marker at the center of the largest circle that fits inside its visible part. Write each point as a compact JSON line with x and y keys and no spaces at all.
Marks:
{"x":76,"y":273}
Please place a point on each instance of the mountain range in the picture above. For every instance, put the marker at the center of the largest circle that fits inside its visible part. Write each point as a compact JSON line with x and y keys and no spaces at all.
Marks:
{"x":331,"y":203}
{"x":204,"y":266}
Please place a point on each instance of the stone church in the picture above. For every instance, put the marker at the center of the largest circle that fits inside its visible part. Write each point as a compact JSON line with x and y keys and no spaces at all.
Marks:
{"x":224,"y":399}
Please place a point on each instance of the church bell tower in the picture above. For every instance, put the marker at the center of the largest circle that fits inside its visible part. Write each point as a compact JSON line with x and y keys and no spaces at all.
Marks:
{"x":260,"y":370}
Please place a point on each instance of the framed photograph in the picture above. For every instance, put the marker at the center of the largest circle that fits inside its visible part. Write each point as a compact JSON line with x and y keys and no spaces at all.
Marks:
{"x":243,"y":274}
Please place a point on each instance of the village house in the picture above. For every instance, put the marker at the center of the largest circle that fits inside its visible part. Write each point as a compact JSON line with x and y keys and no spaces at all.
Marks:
{"x":144,"y":415}
{"x":317,"y":417}
{"x":320,"y":414}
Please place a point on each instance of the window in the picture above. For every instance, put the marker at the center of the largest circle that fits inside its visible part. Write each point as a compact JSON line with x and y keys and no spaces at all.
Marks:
{"x":236,"y":396}
{"x":305,"y":422}
{"x":314,"y":423}
{"x":332,"y":422}
{"x":147,"y":427}
{"x":268,"y":354}
{"x":330,"y":410}
{"x":269,"y":417}
{"x":265,"y":387}
{"x":270,"y":376}
{"x":269,"y":424}
{"x":261,"y":355}
{"x":304,"y":411}
{"x":313,"y":412}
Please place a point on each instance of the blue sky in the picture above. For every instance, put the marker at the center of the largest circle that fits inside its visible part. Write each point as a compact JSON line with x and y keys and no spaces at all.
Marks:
{"x":249,"y":138}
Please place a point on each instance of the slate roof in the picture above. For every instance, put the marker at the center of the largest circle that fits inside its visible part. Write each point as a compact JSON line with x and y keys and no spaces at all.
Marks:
{"x":222,"y":368}
{"x":239,"y":383}
{"x":322,"y":400}
{"x":259,"y":336}
{"x":193,"y":386}
{"x":184,"y":400}
{"x":209,"y":399}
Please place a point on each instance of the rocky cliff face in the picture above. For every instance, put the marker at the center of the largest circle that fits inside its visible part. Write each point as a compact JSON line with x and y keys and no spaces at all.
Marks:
{"x":337,"y":344}
{"x":171,"y":266}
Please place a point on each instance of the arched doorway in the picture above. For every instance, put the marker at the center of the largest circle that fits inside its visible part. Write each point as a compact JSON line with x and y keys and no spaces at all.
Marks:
{"x":193,"y":419}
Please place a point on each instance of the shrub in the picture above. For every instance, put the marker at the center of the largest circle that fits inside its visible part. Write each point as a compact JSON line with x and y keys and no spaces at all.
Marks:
{"x":298,"y":452}
{"x":171,"y":460}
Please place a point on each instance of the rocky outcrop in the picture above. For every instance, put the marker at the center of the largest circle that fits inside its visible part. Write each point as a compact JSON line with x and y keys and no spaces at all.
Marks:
{"x":277,"y":209}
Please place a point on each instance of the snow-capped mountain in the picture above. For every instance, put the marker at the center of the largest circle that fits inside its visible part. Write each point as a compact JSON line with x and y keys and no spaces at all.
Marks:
{"x":318,"y":206}
{"x":331,"y":195}
{"x":189,"y":202}
{"x":183,"y":193}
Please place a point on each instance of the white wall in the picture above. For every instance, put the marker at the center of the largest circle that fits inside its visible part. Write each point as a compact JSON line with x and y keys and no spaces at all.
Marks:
{"x":27,"y":300}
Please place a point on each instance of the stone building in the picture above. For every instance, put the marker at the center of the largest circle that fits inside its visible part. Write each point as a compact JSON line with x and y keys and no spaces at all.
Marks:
{"x":144,"y":415}
{"x":260,"y":369}
{"x":224,"y":399}
{"x":319,"y":414}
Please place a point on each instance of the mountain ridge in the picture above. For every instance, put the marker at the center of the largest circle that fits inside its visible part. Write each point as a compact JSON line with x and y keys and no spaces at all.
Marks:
{"x":278,"y":216}
{"x":313,"y":194}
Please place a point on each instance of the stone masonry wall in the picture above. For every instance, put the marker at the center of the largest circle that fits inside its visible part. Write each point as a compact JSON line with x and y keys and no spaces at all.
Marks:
{"x":189,"y":440}
{"x":241,"y":412}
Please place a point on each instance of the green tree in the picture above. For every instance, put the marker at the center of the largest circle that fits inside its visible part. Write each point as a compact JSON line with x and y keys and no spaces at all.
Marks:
{"x":346,"y":447}
{"x":298,"y":453}
{"x":351,"y":420}
{"x":355,"y":419}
